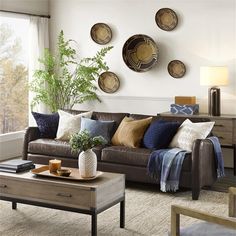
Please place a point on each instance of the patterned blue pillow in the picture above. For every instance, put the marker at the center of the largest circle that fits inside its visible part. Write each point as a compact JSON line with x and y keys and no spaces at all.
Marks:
{"x":47,"y":124}
{"x":98,"y":127}
{"x":159,"y":134}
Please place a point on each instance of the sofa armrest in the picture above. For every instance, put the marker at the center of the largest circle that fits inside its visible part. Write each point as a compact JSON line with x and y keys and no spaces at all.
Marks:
{"x":203,"y":165}
{"x":31,"y":133}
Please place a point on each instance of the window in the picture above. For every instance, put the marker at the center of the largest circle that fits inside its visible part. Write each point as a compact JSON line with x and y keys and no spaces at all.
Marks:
{"x":13,"y":73}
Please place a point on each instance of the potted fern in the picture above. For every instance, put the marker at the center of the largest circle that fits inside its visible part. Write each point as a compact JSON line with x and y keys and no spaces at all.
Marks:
{"x":64,"y":80}
{"x":82,"y":142}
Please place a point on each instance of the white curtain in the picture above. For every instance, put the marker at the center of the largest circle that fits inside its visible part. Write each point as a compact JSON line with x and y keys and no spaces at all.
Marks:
{"x":38,"y":41}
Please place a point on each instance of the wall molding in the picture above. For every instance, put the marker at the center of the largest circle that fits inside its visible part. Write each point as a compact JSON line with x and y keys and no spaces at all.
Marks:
{"x":160,"y":99}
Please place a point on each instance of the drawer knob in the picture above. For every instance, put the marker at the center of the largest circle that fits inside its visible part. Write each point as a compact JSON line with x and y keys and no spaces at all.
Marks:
{"x":219,"y":125}
{"x":3,"y":186}
{"x":64,"y":195}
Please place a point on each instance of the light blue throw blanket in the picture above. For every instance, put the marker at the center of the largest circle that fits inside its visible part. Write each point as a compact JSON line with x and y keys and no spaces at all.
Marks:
{"x":218,"y":156}
{"x":166,"y":165}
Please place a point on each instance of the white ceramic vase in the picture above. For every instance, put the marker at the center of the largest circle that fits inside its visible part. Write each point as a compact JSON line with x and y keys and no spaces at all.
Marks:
{"x":87,"y":163}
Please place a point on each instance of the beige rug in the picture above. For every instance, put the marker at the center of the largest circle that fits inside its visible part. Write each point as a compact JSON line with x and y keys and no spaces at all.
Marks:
{"x":147,"y":213}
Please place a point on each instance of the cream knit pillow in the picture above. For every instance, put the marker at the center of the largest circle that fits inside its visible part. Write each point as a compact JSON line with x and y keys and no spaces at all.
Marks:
{"x":188,"y":132}
{"x":69,"y":124}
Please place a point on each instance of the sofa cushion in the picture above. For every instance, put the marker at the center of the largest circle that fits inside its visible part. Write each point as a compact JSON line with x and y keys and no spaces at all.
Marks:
{"x":98,"y":128}
{"x":47,"y":124}
{"x":159,"y":134}
{"x":69,"y":124}
{"x":130,"y":132}
{"x":188,"y":132}
{"x":55,"y":148}
{"x":135,"y":156}
{"x":126,"y":155}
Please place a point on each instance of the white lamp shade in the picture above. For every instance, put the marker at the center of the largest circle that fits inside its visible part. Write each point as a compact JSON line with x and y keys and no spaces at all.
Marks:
{"x":214,"y":75}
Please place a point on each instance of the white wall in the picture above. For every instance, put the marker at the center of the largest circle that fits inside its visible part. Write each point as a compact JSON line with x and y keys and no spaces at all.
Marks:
{"x":29,"y":6}
{"x":205,"y":35}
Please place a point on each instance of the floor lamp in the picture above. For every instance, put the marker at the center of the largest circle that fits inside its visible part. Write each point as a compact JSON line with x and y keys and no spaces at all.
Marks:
{"x":214,"y":76}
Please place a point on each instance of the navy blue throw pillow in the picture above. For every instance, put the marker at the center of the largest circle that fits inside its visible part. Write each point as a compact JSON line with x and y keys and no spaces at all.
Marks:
{"x":159,"y":134}
{"x":47,"y":124}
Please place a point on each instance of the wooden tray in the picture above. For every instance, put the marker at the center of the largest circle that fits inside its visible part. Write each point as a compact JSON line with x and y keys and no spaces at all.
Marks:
{"x":75,"y":175}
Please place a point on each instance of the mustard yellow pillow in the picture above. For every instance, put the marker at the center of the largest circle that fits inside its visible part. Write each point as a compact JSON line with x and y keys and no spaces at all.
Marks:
{"x":130,"y":132}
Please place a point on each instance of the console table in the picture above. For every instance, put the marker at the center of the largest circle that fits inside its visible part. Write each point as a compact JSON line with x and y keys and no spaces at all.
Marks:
{"x":224,"y":129}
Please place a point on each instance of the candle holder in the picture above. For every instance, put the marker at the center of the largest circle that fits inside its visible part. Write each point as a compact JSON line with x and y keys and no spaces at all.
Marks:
{"x":54,"y":165}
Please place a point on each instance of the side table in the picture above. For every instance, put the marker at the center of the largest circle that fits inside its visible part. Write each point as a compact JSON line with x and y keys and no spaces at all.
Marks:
{"x":232,"y":202}
{"x":224,"y":129}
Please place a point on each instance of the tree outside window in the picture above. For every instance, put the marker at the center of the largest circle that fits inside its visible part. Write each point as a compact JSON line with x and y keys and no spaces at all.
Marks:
{"x":13,"y":74}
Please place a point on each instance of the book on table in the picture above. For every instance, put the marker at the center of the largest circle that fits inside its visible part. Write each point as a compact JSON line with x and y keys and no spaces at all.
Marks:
{"x":16,"y":165}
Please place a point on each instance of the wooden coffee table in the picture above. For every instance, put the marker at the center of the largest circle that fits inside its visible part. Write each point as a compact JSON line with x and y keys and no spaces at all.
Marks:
{"x":88,"y":197}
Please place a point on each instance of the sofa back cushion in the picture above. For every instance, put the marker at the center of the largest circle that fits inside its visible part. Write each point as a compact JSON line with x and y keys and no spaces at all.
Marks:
{"x":130,"y":132}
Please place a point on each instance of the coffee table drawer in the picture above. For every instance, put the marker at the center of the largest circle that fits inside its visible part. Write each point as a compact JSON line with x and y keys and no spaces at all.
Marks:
{"x":48,"y":193}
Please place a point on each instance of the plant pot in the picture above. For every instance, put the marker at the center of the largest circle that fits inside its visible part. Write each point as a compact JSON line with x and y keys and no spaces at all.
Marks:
{"x":87,"y":163}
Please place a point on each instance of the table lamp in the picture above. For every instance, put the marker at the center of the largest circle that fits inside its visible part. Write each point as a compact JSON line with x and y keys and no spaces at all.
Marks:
{"x":214,"y":76}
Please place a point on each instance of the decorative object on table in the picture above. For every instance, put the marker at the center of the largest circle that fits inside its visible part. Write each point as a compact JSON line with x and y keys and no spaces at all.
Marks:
{"x":187,"y":109}
{"x":214,"y":76}
{"x":140,"y":53}
{"x":166,"y":19}
{"x":54,"y":165}
{"x":63,"y":74}
{"x":108,"y":82}
{"x":74,"y":173}
{"x":16,"y":166}
{"x":64,"y":172}
{"x":82,"y":141}
{"x":176,"y":69}
{"x":101,"y":33}
{"x":183,"y":100}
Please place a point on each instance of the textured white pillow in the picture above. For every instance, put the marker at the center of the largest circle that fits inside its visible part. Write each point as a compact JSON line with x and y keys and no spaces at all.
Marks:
{"x":188,"y":132}
{"x":69,"y":124}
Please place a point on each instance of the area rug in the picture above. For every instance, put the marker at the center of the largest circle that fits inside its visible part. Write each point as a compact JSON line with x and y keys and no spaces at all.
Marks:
{"x":147,"y":213}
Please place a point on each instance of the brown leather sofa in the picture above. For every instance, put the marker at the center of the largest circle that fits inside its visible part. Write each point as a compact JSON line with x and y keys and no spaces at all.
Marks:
{"x":198,"y":170}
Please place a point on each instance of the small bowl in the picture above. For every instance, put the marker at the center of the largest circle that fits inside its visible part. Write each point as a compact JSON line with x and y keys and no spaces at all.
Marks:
{"x":64,"y":172}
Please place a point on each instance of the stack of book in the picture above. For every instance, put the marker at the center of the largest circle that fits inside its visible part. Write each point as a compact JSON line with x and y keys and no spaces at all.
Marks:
{"x":16,"y":166}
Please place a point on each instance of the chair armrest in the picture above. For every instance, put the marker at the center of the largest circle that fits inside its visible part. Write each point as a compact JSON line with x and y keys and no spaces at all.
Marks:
{"x":31,"y":133}
{"x":176,"y":211}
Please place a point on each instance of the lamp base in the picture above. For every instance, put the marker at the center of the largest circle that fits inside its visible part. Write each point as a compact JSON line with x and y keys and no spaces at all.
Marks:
{"x":214,"y":101}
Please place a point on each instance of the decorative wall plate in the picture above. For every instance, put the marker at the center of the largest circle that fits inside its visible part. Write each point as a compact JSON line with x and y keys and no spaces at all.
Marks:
{"x":140,"y":53}
{"x":166,"y":19}
{"x":101,"y":33}
{"x":176,"y":69}
{"x":108,"y":82}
